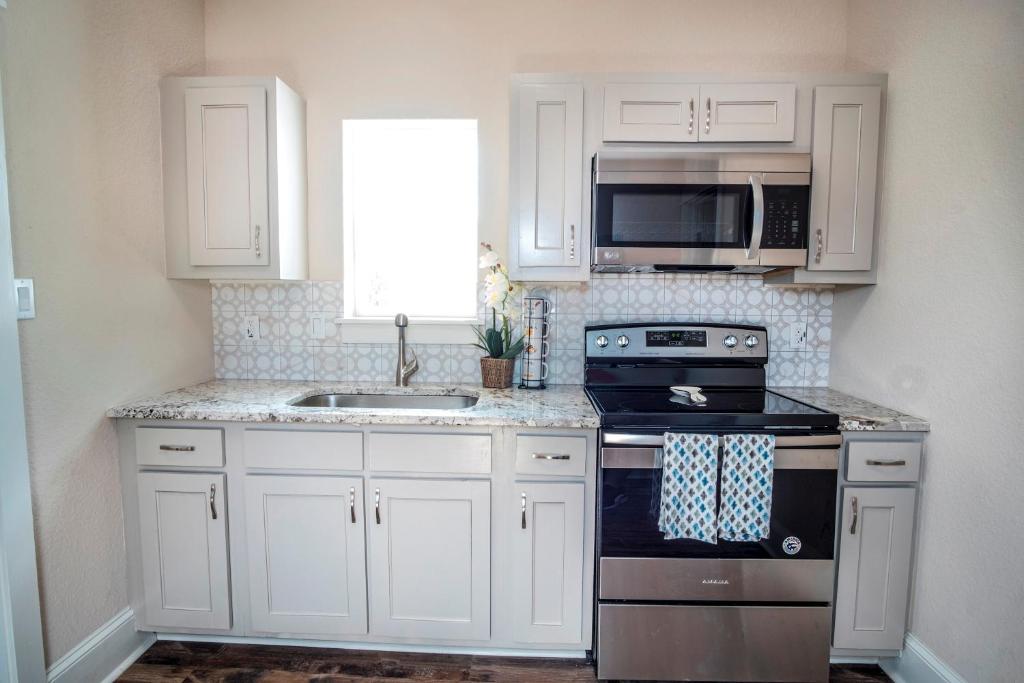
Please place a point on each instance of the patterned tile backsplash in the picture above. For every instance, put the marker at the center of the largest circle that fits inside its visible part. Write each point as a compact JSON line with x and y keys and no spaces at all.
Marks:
{"x":286,"y":349}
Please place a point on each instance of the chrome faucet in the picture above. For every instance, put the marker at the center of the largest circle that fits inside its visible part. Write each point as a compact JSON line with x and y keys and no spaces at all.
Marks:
{"x":403,"y":371}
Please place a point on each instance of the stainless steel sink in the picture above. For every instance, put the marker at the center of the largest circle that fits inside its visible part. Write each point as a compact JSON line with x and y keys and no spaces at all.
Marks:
{"x":390,"y":401}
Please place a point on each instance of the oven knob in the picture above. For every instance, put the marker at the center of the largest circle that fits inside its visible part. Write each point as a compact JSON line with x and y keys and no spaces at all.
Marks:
{"x":622,"y":341}
{"x":601,"y":341}
{"x":730,"y":341}
{"x":751,"y":341}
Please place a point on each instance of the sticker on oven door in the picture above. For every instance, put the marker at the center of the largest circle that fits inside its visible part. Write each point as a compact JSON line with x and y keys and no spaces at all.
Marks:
{"x":792,"y":545}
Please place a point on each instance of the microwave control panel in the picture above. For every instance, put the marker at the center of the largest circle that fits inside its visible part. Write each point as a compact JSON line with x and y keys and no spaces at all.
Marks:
{"x":785,"y":217}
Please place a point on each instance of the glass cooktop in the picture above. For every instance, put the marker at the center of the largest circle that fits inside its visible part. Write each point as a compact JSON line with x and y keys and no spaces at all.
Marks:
{"x":659,"y":407}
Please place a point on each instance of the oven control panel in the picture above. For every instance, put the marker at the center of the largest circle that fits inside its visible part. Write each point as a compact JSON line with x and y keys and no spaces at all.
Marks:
{"x":677,"y":341}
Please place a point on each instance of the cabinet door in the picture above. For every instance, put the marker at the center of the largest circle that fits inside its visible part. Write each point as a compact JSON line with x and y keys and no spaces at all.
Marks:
{"x":550,"y":175}
{"x":874,"y":568}
{"x":844,"y":166}
{"x":547,"y":563}
{"x":651,"y":112}
{"x":747,"y":112}
{"x":429,"y":558}
{"x":307,"y":554}
{"x":182,"y":520}
{"x":226,"y":162}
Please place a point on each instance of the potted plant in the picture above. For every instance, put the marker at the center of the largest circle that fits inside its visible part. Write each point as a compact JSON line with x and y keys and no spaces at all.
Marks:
{"x":497,"y":367}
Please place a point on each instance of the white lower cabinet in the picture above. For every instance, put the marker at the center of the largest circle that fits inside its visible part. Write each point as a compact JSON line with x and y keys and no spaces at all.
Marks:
{"x":307,"y":555}
{"x":429,"y":558}
{"x":876,"y":535}
{"x":184,"y":550}
{"x":547,"y":571}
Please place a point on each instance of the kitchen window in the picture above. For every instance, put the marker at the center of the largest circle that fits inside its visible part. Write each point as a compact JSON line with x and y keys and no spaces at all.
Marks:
{"x":409,"y":196}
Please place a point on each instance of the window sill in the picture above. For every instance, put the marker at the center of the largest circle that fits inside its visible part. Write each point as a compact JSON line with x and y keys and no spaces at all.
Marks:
{"x":370,"y":331}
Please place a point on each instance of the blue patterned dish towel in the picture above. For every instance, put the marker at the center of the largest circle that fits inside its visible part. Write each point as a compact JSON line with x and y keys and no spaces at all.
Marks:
{"x":689,"y":487}
{"x":689,"y":506}
{"x":748,"y":465}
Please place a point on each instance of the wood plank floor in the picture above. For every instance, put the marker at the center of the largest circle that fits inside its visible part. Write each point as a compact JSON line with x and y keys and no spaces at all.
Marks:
{"x":183,"y":662}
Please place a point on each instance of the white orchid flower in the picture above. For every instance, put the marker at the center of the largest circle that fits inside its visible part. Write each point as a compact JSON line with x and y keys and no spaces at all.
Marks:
{"x":489,"y":260}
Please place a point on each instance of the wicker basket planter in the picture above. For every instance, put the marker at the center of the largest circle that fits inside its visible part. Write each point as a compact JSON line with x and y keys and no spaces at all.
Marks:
{"x":497,"y":372}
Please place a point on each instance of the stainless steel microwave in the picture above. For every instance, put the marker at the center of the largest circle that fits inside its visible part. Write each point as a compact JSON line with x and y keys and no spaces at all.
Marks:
{"x":664,"y":211}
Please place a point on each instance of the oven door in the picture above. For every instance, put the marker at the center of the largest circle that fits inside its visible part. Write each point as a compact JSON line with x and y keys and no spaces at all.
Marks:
{"x":794,"y":564}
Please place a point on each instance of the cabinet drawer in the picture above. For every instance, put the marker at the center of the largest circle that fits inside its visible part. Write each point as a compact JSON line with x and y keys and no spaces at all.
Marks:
{"x":560,"y":455}
{"x":178,"y":447}
{"x":883,"y":460}
{"x":279,"y":449}
{"x":442,"y":453}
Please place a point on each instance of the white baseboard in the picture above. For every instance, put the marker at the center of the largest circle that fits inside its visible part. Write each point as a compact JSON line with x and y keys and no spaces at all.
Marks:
{"x":918,"y":664}
{"x":105,"y":654}
{"x":384,"y":647}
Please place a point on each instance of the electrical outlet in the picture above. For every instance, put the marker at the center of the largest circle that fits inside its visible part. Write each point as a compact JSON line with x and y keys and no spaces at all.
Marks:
{"x":318,"y":326}
{"x":798,"y":335}
{"x":252,"y":328}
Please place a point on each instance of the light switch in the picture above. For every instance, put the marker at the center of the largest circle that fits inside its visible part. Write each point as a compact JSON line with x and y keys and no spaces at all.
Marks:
{"x":318,"y":326}
{"x":25,"y":297}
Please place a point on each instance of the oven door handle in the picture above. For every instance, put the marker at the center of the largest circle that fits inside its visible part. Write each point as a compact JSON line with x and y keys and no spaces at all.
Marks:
{"x":754,"y":250}
{"x":785,"y":458}
{"x":781,"y":440}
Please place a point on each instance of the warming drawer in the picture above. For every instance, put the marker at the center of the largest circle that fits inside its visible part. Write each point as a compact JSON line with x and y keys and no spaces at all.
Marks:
{"x":713,"y":643}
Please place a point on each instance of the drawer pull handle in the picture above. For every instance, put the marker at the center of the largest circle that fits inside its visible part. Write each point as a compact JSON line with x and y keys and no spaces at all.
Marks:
{"x":213,"y":498}
{"x":853,"y":525}
{"x":550,"y":456}
{"x":180,"y":449}
{"x":376,"y":504}
{"x":887,"y":463}
{"x":352,"y":504}
{"x":524,"y":511}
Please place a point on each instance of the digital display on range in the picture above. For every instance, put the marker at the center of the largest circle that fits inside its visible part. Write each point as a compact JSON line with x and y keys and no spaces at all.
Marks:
{"x":697,"y":338}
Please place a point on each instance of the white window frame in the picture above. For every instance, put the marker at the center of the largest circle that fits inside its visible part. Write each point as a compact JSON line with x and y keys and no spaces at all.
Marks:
{"x":374,"y":330}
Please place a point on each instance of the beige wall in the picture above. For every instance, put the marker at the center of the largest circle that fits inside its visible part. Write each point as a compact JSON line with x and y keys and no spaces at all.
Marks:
{"x":83,"y":146}
{"x":939,"y":335}
{"x":381,"y":58}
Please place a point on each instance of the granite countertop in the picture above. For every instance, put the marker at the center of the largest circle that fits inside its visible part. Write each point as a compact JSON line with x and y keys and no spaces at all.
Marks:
{"x":856,"y":414}
{"x":564,"y":406}
{"x":558,"y":406}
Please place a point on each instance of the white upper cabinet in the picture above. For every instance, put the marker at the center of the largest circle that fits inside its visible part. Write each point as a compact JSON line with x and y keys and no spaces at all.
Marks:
{"x":307,"y":555}
{"x":429,"y":558}
{"x":226,"y":162}
{"x":548,"y":237}
{"x":872,"y":588}
{"x":747,"y":112}
{"x":234,"y":178}
{"x":844,"y":168}
{"x":651,"y":112}
{"x":184,"y":550}
{"x":692,"y":112}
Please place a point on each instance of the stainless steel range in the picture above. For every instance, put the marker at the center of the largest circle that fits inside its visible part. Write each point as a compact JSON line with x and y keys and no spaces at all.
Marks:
{"x":683,"y":609}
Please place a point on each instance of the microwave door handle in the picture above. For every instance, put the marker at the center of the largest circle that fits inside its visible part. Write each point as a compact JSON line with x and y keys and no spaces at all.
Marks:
{"x":754,"y":250}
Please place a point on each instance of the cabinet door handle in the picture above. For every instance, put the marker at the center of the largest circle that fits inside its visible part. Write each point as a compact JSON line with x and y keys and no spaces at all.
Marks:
{"x":550,"y":456}
{"x":376,"y":504}
{"x":176,"y":448}
{"x":257,"y":240}
{"x":853,"y":525}
{"x":887,"y":463}
{"x":820,"y":247}
{"x":352,"y":504}
{"x":572,"y":242}
{"x":213,"y":498}
{"x":524,"y":510}
{"x":689,"y":128}
{"x":707,"y":118}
